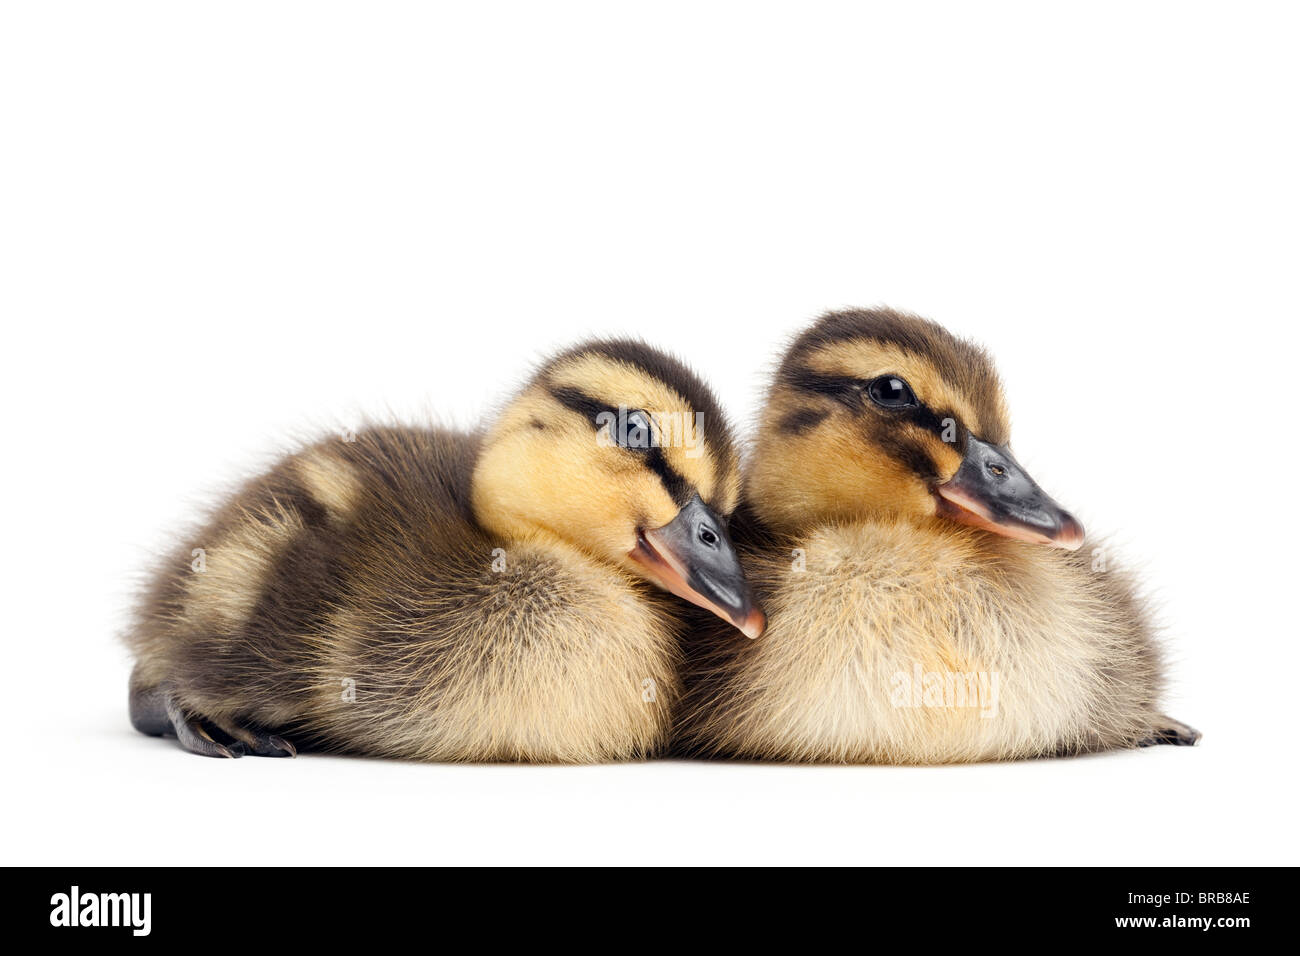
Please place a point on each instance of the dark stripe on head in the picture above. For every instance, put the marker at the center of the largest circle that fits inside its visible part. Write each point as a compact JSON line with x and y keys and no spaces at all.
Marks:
{"x":847,"y":391}
{"x":576,"y":400}
{"x":678,"y":488}
{"x":801,"y":419}
{"x":906,"y":447}
{"x":910,"y":452}
{"x":850,"y":392}
{"x":676,"y":376}
{"x":936,"y":423}
{"x":965,"y":365}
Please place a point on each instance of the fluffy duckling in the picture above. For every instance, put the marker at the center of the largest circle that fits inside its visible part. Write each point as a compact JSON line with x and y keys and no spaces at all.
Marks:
{"x":429,"y":594}
{"x":927,"y":601}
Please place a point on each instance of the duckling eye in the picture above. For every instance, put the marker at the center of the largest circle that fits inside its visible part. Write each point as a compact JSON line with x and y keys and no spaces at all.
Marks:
{"x":890,"y":391}
{"x":638,"y":433}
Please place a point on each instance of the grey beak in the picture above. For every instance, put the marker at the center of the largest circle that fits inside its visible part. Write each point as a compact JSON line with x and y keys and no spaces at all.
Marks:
{"x":992,"y":491}
{"x":693,"y":557}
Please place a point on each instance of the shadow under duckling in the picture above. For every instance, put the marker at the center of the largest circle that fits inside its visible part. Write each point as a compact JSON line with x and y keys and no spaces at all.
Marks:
{"x":927,"y":601}
{"x":436,"y":595}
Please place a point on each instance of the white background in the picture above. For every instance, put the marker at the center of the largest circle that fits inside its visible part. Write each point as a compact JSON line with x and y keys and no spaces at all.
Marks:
{"x":226,"y":225}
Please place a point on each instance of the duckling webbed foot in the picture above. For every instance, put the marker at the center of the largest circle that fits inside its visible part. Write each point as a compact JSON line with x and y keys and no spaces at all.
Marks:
{"x":257,"y":742}
{"x":195,"y":737}
{"x":1170,"y":731}
{"x":157,"y":712}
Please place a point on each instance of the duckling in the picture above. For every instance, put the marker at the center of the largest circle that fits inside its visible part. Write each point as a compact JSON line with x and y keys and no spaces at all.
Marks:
{"x":438,"y":595}
{"x":927,"y":602}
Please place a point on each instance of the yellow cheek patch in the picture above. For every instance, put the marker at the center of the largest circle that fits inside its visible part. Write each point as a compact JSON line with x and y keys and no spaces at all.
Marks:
{"x":828,"y":473}
{"x":727,"y":495}
{"x":946,"y":458}
{"x":697,"y":467}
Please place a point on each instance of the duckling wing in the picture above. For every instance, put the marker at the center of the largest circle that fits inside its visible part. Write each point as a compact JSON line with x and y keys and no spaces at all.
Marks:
{"x":348,"y":600}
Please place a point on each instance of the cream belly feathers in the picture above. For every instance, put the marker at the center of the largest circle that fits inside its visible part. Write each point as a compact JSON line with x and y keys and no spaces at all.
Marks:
{"x":434,"y":595}
{"x":897,"y":632}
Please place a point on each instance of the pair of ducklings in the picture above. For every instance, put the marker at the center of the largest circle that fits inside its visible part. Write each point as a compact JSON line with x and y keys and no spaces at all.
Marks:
{"x":516,"y":594}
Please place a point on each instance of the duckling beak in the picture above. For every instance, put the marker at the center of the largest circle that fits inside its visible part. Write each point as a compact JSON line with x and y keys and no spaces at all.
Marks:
{"x":991,"y":491}
{"x":692,"y":556}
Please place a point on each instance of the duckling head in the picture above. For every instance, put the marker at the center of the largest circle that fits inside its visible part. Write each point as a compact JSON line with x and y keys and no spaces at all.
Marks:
{"x":881,"y":413}
{"x":621,"y":451}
